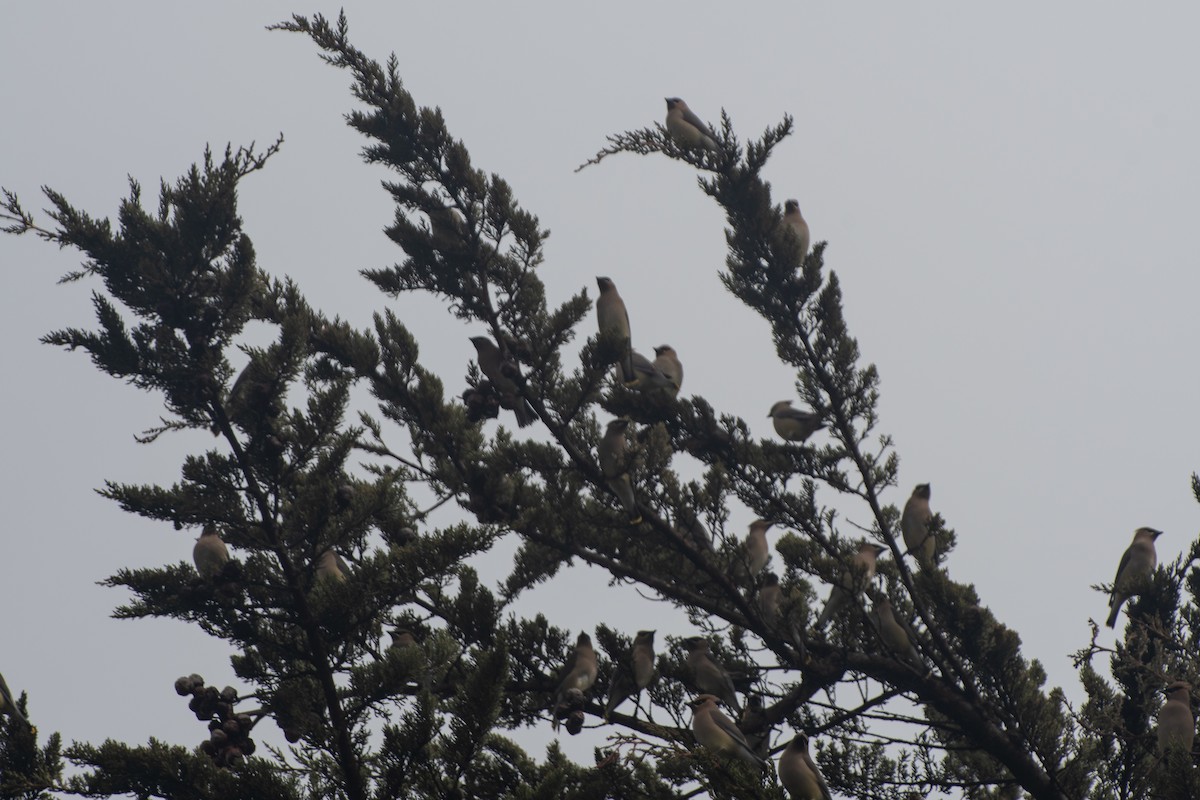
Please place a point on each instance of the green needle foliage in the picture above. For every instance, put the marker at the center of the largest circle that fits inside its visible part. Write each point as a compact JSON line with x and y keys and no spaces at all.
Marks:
{"x":327,"y":520}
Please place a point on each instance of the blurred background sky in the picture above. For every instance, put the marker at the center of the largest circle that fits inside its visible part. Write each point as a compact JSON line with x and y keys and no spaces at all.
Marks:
{"x":1009,"y":195}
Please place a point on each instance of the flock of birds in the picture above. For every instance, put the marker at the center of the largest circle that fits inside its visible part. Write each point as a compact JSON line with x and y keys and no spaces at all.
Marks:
{"x":711,"y":727}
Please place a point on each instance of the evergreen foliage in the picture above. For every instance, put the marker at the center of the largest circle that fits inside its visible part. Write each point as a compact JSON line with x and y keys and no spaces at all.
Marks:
{"x":293,"y":484}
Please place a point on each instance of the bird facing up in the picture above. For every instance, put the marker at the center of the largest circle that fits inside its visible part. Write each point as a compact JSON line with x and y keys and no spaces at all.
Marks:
{"x":686,"y":128}
{"x":1176,"y":725}
{"x":794,"y":224}
{"x":717,"y":732}
{"x":914,"y":525}
{"x":793,"y":424}
{"x":799,"y":774}
{"x":1137,"y":563}
{"x":210,"y":553}
{"x":578,"y":673}
{"x":613,"y":320}
{"x":639,"y":676}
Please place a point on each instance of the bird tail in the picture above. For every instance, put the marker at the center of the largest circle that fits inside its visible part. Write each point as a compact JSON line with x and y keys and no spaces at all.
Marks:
{"x":1115,"y":606}
{"x":526,"y":416}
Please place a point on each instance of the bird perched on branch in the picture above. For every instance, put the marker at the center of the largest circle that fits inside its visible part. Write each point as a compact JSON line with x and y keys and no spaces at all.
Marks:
{"x":210,"y":553}
{"x":613,"y":320}
{"x":799,"y":774}
{"x":579,"y":673}
{"x":793,"y":424}
{"x":497,"y":367}
{"x":717,"y":732}
{"x":914,"y":525}
{"x":686,"y":128}
{"x":852,"y":582}
{"x":1137,"y":563}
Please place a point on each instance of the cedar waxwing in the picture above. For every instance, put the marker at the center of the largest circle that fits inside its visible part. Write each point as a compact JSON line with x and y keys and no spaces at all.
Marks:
{"x":692,"y":529}
{"x":717,"y":732}
{"x":1176,"y":725}
{"x":667,"y":361}
{"x":402,"y":638}
{"x":8,"y":703}
{"x":329,"y":567}
{"x":641,"y":673}
{"x":914,"y":525}
{"x":793,"y":222}
{"x":578,"y":673}
{"x":612,"y":317}
{"x":793,"y":424}
{"x":494,"y":364}
{"x":770,"y":597}
{"x":1139,"y":561}
{"x":405,"y":649}
{"x":210,"y":553}
{"x":447,"y":226}
{"x":753,"y":724}
{"x":686,"y":128}
{"x":799,"y":775}
{"x":758,"y":551}
{"x":852,"y":582}
{"x":708,"y":675}
{"x":612,"y":464}
{"x":895,"y":635}
{"x":647,"y":377}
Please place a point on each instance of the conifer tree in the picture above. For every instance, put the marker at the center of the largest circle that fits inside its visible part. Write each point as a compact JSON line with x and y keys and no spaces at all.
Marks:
{"x":355,"y":626}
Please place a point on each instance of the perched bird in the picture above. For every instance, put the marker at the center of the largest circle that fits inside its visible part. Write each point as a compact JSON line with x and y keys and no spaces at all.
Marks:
{"x":667,"y":361}
{"x":210,"y":553}
{"x":447,"y":226}
{"x":895,"y":635}
{"x":793,"y":222}
{"x":408,"y":653}
{"x":8,"y":703}
{"x":686,"y":128}
{"x":758,"y":551}
{"x":1139,"y":561}
{"x":612,"y":464}
{"x":402,"y":638}
{"x":613,"y":320}
{"x":793,"y":424}
{"x":692,"y":529}
{"x":753,"y":723}
{"x":708,"y":675}
{"x":495,"y":365}
{"x":640,"y":674}
{"x":647,"y":377}
{"x":770,"y":597}
{"x":578,"y":673}
{"x":717,"y":732}
{"x":852,"y":582}
{"x":1176,"y":725}
{"x":914,"y":524}
{"x":799,"y":775}
{"x":643,"y":659}
{"x":330,"y":567}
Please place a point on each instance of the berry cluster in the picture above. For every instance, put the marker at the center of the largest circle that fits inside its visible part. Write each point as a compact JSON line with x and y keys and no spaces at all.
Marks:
{"x":229,"y":739}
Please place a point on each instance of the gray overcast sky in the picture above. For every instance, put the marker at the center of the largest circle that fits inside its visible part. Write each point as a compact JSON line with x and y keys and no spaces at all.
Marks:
{"x":1009,"y":197}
